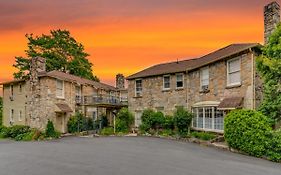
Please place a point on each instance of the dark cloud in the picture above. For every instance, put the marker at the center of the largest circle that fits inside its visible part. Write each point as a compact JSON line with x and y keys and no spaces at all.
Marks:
{"x":19,"y":14}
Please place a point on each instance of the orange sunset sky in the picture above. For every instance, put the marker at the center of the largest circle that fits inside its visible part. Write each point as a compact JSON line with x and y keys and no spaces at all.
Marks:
{"x":126,"y":36}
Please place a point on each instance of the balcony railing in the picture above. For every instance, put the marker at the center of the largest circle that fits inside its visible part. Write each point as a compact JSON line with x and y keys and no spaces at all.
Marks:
{"x":101,"y":100}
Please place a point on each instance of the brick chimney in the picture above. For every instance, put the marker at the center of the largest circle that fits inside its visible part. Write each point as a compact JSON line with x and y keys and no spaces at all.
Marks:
{"x":271,"y":19}
{"x":120,"y":81}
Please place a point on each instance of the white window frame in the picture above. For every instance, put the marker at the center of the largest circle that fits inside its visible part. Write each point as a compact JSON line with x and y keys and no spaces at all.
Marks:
{"x":20,"y":115}
{"x":165,"y":76}
{"x":195,"y":110}
{"x":62,"y":95}
{"x":228,"y":63}
{"x":79,"y":91}
{"x":138,"y":93}
{"x":201,"y":77}
{"x":180,"y":81}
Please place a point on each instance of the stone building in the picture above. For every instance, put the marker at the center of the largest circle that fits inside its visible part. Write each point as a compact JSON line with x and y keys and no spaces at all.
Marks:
{"x":56,"y":96}
{"x":209,"y":86}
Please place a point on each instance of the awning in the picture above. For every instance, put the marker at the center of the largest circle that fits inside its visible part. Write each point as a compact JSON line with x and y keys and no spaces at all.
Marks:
{"x":231,"y":103}
{"x":63,"y":108}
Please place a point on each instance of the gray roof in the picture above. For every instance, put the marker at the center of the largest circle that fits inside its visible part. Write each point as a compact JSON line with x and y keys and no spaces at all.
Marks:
{"x":191,"y":64}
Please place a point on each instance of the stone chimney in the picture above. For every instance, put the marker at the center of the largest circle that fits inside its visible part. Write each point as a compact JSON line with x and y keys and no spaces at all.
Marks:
{"x":271,"y":19}
{"x":120,"y":81}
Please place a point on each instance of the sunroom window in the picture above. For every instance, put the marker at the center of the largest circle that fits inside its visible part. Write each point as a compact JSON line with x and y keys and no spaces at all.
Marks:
{"x":208,"y":118}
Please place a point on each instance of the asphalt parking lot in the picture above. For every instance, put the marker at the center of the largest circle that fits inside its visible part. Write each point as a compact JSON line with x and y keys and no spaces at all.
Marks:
{"x":125,"y":156}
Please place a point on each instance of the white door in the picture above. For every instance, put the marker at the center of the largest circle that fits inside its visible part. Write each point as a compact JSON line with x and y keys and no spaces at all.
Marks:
{"x":138,"y":118}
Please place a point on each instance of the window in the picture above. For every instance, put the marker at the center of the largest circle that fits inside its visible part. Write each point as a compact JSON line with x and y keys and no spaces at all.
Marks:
{"x":208,"y":118}
{"x":12,"y":116}
{"x":78,"y":91}
{"x":204,"y":78}
{"x":138,"y":88}
{"x":60,"y":89}
{"x":20,"y":115}
{"x":12,"y":90}
{"x":233,"y":72}
{"x":166,"y":82}
{"x":179,"y":80}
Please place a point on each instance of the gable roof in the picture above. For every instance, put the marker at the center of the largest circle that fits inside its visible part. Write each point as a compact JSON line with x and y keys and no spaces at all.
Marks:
{"x":71,"y":78}
{"x":76,"y":79}
{"x":191,"y":64}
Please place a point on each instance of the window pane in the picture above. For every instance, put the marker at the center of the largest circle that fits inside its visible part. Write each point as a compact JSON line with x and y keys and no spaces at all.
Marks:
{"x":218,"y":120}
{"x":204,"y":77}
{"x":234,"y":66}
{"x":234,"y":78}
{"x":166,"y":82}
{"x":179,"y":84}
{"x":208,"y":118}
{"x":195,"y":117}
{"x":200,"y":118}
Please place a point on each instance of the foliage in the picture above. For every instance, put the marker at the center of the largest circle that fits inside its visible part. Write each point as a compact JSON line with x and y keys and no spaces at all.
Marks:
{"x":79,"y":123}
{"x":104,"y":121}
{"x":274,"y":147}
{"x":166,"y":132}
{"x":182,"y":120}
{"x":1,"y":110}
{"x":107,"y":131}
{"x":157,"y":120}
{"x":247,"y":130}
{"x":33,"y":134}
{"x":152,"y":120}
{"x":14,"y":131}
{"x":62,"y":52}
{"x":124,"y":120}
{"x":203,"y":135}
{"x":169,"y":123}
{"x":50,"y":130}
{"x":269,"y":67}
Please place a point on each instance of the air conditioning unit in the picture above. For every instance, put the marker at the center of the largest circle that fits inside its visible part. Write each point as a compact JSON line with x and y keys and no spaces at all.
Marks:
{"x":205,"y":88}
{"x":12,"y":98}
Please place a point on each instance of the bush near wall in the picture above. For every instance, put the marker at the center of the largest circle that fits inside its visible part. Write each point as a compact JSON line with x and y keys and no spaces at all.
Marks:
{"x":21,"y":133}
{"x":79,"y":123}
{"x":182,"y":120}
{"x":124,"y":120}
{"x":251,"y":132}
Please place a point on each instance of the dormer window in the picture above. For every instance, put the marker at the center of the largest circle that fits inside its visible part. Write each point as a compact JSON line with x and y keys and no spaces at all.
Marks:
{"x":204,"y":78}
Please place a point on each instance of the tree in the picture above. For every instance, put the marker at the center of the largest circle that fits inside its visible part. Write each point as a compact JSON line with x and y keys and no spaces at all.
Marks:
{"x":269,"y":67}
{"x":62,"y":52}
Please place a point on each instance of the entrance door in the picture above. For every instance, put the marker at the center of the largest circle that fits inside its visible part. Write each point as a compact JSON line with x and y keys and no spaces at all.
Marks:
{"x":138,"y":118}
{"x":60,"y":122}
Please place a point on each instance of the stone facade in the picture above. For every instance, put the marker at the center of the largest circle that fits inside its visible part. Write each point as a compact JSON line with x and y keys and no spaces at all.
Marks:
{"x":271,"y":19}
{"x":37,"y":100}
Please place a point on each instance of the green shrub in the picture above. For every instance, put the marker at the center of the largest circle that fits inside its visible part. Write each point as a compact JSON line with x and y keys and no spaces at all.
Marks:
{"x":50,"y":130}
{"x":14,"y":131}
{"x":169,"y":122}
{"x":246,"y":130}
{"x":79,"y":123}
{"x":157,"y":121}
{"x":273,"y":151}
{"x":182,"y":119}
{"x":144,"y":127}
{"x":124,"y":120}
{"x":166,"y":132}
{"x":203,"y":135}
{"x":104,"y":121}
{"x":107,"y":131}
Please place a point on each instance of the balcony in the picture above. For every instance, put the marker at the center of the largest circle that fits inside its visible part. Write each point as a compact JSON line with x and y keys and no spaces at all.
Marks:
{"x":102,"y":101}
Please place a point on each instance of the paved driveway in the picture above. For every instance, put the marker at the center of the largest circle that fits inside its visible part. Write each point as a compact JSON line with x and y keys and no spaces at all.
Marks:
{"x":125,"y":156}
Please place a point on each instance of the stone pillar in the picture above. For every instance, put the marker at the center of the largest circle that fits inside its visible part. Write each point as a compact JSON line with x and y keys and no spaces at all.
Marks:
{"x":37,"y":66}
{"x":120,"y":81}
{"x":271,"y":19}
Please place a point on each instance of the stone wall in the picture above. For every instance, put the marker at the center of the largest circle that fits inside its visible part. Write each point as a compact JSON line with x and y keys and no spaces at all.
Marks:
{"x":154,"y":97}
{"x":218,"y":89}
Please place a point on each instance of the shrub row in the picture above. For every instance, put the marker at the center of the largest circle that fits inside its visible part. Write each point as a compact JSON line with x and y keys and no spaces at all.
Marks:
{"x":124,"y":120}
{"x":25,"y":133}
{"x":79,"y":123}
{"x":152,"y":120}
{"x":251,"y":132}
